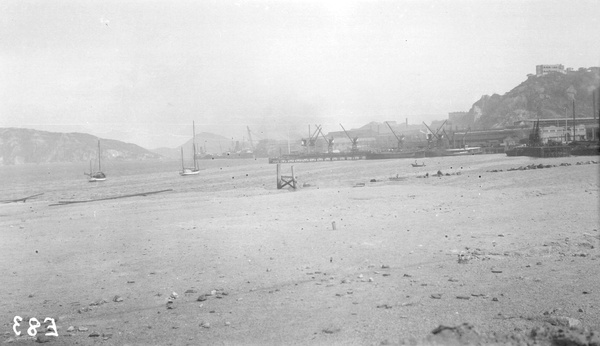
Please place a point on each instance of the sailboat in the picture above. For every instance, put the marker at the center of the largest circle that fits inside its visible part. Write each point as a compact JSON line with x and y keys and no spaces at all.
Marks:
{"x":195,"y":170}
{"x":99,"y":175}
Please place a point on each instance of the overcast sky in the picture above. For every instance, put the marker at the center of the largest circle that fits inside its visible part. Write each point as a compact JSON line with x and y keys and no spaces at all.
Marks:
{"x":142,"y":71}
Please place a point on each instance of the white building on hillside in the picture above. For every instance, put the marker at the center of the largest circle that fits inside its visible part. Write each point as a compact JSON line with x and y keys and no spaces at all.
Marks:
{"x":541,"y":70}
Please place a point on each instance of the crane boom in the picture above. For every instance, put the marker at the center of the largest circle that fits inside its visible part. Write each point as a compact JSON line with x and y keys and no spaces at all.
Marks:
{"x":435,"y":134}
{"x":322,"y":135}
{"x":346,"y":133}
{"x":250,"y":138}
{"x":316,"y":133}
{"x":329,"y":141}
{"x":398,"y":138}
{"x":438,"y":130}
{"x":354,"y":140}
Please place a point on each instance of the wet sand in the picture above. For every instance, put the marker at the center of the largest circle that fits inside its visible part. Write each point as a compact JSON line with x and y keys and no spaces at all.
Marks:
{"x":269,"y":268}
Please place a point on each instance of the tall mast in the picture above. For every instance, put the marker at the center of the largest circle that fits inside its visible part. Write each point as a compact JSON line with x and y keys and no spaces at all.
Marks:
{"x":194,"y":143}
{"x":250,"y":138}
{"x":573,"y":118}
{"x":182,"y":165}
{"x":99,"y":164}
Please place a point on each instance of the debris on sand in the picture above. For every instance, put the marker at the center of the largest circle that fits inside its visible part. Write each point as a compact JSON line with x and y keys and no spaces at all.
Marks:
{"x":384,"y":306}
{"x":563,"y":321}
{"x":42,"y":338}
{"x":464,"y":258}
{"x":541,"y":166}
{"x":330,"y":330}
{"x":98,"y":302}
{"x":466,"y":334}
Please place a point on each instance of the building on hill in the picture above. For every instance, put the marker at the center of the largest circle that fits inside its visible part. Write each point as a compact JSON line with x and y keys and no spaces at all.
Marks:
{"x":595,"y":69}
{"x":541,"y":70}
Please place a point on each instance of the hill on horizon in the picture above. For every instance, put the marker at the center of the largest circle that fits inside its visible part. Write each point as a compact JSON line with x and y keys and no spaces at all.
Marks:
{"x":21,"y":146}
{"x":546,"y":97}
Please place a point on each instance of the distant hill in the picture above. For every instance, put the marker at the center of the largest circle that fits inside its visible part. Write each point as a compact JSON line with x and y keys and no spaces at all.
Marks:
{"x":206,"y":142}
{"x":19,"y":146}
{"x":544,"y":97}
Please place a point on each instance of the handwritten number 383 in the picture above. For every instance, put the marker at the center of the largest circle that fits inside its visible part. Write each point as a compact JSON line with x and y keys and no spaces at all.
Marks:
{"x":34,"y":324}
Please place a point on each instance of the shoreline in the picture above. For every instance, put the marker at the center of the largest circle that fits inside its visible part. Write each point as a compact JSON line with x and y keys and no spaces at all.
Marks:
{"x":273,"y":271}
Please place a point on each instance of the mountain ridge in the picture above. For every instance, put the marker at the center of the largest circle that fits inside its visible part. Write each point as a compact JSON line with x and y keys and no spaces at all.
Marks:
{"x":548,"y":96}
{"x":21,"y":146}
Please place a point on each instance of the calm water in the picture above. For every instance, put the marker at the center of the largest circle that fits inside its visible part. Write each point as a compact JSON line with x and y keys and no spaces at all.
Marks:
{"x":67,"y":180}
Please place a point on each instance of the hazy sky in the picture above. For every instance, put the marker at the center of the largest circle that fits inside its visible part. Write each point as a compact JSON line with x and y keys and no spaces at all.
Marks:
{"x":141,"y":71}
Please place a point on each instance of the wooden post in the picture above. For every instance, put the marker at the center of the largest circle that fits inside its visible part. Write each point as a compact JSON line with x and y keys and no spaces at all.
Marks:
{"x":293,"y":178}
{"x":278,"y":176}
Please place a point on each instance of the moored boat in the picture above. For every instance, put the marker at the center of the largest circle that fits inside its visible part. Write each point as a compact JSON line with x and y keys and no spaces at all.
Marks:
{"x":98,"y":175}
{"x":185,"y":171}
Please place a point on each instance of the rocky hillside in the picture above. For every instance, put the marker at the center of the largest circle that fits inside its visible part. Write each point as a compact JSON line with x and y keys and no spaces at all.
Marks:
{"x":18,"y":146}
{"x":544,"y":97}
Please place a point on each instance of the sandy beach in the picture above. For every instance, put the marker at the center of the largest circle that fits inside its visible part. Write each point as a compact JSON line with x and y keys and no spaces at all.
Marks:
{"x":224,"y":258}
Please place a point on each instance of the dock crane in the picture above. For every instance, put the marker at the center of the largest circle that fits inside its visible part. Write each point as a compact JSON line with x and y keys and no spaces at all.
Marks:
{"x":329,"y":142}
{"x":400,"y":140}
{"x":310,"y":142}
{"x":250,"y":138}
{"x":436,"y":132}
{"x":353,"y":140}
{"x":313,"y":139}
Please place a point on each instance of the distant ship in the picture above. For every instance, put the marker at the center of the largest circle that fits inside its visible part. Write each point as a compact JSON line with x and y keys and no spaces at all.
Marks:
{"x":349,"y":156}
{"x":453,"y":152}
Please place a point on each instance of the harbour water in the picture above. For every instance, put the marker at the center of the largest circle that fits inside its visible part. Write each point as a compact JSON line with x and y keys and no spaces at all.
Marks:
{"x":66,"y":181}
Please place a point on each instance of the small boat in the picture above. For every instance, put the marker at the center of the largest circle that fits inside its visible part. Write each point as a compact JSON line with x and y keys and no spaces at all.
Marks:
{"x":98,"y":175}
{"x":190,"y":170}
{"x":418,"y":165}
